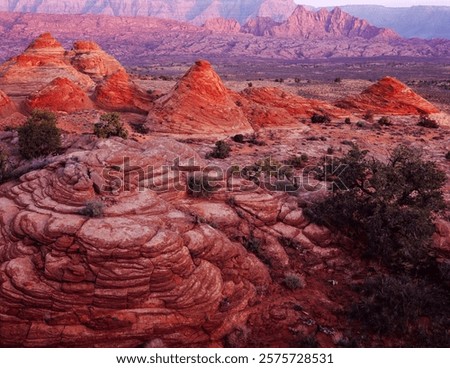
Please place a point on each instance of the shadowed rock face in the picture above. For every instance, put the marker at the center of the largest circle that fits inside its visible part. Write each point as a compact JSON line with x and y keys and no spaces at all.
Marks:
{"x":198,"y":104}
{"x":6,"y":105}
{"x":143,"y":271}
{"x":60,"y":95}
{"x":389,"y":96}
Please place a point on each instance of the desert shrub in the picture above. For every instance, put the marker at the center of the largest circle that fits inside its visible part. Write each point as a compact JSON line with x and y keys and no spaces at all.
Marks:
{"x":297,"y":161}
{"x":330,"y":150}
{"x":384,"y":121}
{"x":338,"y":80}
{"x":238,"y":138}
{"x":110,"y":126}
{"x":3,"y":165}
{"x":368,"y":116}
{"x":200,"y":186}
{"x":347,"y":121}
{"x":387,"y":208}
{"x":447,"y":155}
{"x":293,"y":281}
{"x":426,"y":122}
{"x":289,"y":243}
{"x":39,"y":136}
{"x":360,"y":124}
{"x":253,"y":139}
{"x":221,"y":150}
{"x":393,"y":306}
{"x":252,"y":244}
{"x":140,"y":128}
{"x":250,"y":84}
{"x":93,"y":208}
{"x":320,"y":119}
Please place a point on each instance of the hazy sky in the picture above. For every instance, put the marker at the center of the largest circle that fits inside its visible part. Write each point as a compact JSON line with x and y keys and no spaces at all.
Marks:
{"x":392,"y":3}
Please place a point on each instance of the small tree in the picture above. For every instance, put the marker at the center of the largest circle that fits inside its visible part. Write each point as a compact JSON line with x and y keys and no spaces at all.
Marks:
{"x":385,"y":207}
{"x":222,"y":150}
{"x":3,"y":165}
{"x":320,"y":119}
{"x":39,"y":136}
{"x":110,"y":126}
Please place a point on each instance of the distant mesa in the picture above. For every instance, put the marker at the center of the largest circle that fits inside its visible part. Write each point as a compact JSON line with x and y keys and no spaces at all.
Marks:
{"x":222,"y":25}
{"x":389,"y":96}
{"x":60,"y":95}
{"x":198,"y":104}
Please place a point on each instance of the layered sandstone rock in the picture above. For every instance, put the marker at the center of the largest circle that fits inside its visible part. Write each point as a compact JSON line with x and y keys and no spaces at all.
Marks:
{"x":271,"y":107}
{"x":90,"y":59}
{"x":143,"y":271}
{"x":198,"y":104}
{"x":389,"y":96}
{"x":119,"y":93}
{"x":7,"y":107}
{"x":222,"y":25}
{"x":43,"y":61}
{"x":60,"y":95}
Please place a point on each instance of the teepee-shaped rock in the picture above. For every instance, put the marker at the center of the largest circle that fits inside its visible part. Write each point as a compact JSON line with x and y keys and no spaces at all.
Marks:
{"x":198,"y":104}
{"x":389,"y":96}
{"x":119,"y":93}
{"x":60,"y":95}
{"x":43,"y":61}
{"x":88,"y":58}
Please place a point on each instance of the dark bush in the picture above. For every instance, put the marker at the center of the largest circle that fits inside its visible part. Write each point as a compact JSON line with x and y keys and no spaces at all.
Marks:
{"x":39,"y":136}
{"x":238,"y":138}
{"x":221,"y":150}
{"x":338,"y":80}
{"x":93,"y":208}
{"x":293,"y":281}
{"x":330,"y":150}
{"x":360,"y":124}
{"x":140,"y":128}
{"x":296,"y":161}
{"x":384,"y":121}
{"x":250,"y":84}
{"x":320,"y":119}
{"x":387,"y":208}
{"x":447,"y":155}
{"x":393,"y":306}
{"x":3,"y":166}
{"x":368,"y":116}
{"x":426,"y":122}
{"x":347,"y":121}
{"x":110,"y":126}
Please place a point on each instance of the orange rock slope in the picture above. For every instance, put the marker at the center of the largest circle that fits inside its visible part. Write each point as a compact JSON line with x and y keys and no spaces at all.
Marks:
{"x":198,"y":104}
{"x":271,"y":107}
{"x":60,"y":95}
{"x":6,"y":105}
{"x":388,"y":96}
{"x":119,"y":93}
{"x":43,"y":61}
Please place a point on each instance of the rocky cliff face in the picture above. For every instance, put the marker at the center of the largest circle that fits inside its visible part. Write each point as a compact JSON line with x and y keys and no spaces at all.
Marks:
{"x":6,"y":105}
{"x":196,"y":11}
